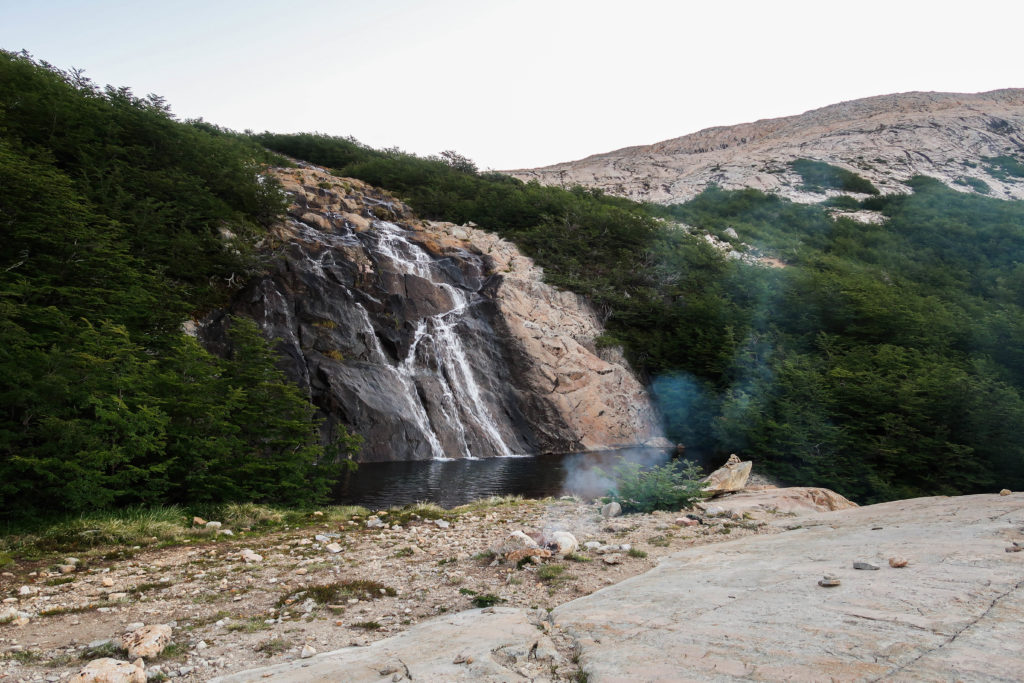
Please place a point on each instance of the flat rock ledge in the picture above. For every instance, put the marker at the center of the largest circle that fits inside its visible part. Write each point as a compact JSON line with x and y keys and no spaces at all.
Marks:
{"x":492,"y":644}
{"x":753,"y":609}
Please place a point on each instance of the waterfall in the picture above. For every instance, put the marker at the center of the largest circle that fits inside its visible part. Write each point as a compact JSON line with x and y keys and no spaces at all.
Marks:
{"x":437,"y":339}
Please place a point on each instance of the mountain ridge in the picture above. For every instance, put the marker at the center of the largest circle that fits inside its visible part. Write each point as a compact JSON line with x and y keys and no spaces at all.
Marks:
{"x":945,"y":135}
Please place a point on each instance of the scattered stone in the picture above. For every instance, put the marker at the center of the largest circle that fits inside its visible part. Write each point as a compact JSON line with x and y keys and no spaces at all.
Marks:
{"x":198,"y":521}
{"x":134,"y":626}
{"x":107,"y":582}
{"x":829,"y":581}
{"x":21,"y":621}
{"x":251,"y":556}
{"x":321,"y":538}
{"x":1005,"y":492}
{"x":72,"y":560}
{"x":213,"y":525}
{"x":564,"y":542}
{"x":592,"y":545}
{"x":613,"y":558}
{"x":26,"y":590}
{"x":66,"y":568}
{"x":226,"y":532}
{"x":732,"y":476}
{"x":318,"y":514}
{"x":108,"y":670}
{"x":301,"y":570}
{"x":1015,"y":548}
{"x":897,"y":562}
{"x":442,"y":523}
{"x":147,"y":641}
{"x":861,"y":564}
{"x":307,"y":651}
{"x":201,"y":645}
{"x":333,"y":547}
{"x":686,"y":521}
{"x":375,"y":523}
{"x":611,"y":509}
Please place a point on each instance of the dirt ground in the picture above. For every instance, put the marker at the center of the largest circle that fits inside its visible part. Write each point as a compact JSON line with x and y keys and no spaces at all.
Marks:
{"x":303,"y":593}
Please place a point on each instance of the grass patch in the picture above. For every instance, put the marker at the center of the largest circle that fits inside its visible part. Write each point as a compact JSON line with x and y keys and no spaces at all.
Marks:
{"x":333,"y":592}
{"x":467,"y":591}
{"x":577,"y":557}
{"x":403,"y":552}
{"x":492,"y":502}
{"x":639,"y":554}
{"x":273,"y":647}
{"x":146,"y":587}
{"x":552,"y":573}
{"x":5,"y":560}
{"x":173,"y":651}
{"x":660,"y":541}
{"x":23,"y":656}
{"x":486,"y":600}
{"x":59,"y":581}
{"x":368,"y":625}
{"x":109,"y":649}
{"x":78,"y":609}
{"x":250,"y":625}
{"x":251,"y":515}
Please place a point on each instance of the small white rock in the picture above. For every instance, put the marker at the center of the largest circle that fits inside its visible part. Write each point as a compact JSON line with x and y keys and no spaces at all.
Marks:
{"x":307,"y":651}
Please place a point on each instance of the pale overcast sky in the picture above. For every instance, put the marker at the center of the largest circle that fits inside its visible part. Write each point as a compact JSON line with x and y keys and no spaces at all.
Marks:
{"x":518,"y":84}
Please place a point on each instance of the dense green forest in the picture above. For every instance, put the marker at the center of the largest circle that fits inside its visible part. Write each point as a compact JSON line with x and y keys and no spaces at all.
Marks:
{"x":884,"y":361}
{"x":116,"y":223}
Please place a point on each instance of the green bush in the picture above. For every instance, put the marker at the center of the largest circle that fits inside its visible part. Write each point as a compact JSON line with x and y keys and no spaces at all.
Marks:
{"x":817,"y":176}
{"x":672,"y":486}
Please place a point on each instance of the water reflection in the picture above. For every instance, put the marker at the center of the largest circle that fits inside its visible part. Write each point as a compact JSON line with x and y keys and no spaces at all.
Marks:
{"x":456,"y":482}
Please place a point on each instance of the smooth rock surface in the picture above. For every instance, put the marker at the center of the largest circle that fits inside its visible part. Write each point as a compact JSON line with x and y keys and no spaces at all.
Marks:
{"x":489,"y":645}
{"x":752,"y":608}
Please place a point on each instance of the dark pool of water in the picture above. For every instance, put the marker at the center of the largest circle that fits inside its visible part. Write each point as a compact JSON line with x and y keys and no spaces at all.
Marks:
{"x":456,"y":482}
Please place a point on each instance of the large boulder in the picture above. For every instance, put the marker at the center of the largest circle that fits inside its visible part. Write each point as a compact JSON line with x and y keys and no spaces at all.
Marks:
{"x":732,"y":476}
{"x":108,"y":670}
{"x":148,"y":641}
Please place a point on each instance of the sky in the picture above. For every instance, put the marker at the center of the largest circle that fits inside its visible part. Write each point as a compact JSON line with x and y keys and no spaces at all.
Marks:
{"x":518,"y":83}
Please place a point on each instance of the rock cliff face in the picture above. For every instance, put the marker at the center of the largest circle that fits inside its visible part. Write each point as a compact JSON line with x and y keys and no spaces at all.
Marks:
{"x":431,"y":340}
{"x":886,"y":139}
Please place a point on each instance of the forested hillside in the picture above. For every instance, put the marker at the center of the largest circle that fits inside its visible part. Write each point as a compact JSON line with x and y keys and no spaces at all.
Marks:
{"x":884,"y":361}
{"x":118,"y":225}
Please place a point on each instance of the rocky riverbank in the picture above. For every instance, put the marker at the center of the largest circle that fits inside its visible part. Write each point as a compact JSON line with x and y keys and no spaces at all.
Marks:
{"x":238,"y":599}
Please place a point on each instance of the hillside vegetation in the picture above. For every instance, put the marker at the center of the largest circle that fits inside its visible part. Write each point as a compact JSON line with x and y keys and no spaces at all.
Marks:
{"x":885,"y":361}
{"x":118,"y":224}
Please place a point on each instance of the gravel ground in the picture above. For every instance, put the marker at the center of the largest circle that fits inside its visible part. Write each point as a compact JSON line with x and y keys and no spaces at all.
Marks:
{"x":299,"y":592}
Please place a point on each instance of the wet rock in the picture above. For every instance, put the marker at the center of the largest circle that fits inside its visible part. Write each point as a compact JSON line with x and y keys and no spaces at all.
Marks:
{"x":147,"y":641}
{"x":612,"y":509}
{"x":107,"y":670}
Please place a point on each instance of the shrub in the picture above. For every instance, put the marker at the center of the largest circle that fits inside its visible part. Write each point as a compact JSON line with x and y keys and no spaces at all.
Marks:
{"x":671,"y":486}
{"x":817,"y":176}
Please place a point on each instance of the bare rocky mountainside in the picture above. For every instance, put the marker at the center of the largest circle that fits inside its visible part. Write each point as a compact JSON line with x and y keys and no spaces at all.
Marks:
{"x":886,"y":139}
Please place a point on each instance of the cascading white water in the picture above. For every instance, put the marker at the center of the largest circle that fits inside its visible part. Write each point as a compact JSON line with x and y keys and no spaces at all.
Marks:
{"x":461,"y":400}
